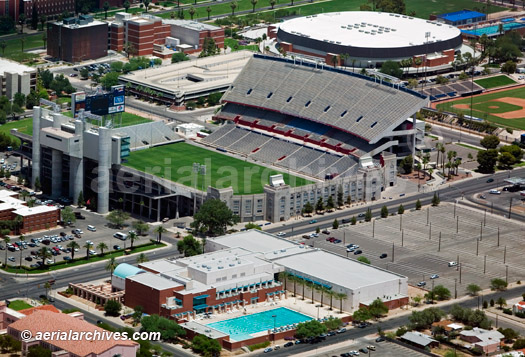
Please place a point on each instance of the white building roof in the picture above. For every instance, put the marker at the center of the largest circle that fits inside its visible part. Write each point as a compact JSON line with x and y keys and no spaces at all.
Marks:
{"x":190,"y":24}
{"x":154,"y":281}
{"x":327,"y":267}
{"x":486,"y":336}
{"x":418,"y":338}
{"x":362,"y":29}
{"x":28,"y":211}
{"x":255,"y":240}
{"x":160,"y":266}
{"x":7,"y":66}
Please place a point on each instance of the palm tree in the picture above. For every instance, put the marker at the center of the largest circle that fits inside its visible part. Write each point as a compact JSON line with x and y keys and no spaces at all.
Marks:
{"x":111,"y":265}
{"x":146,"y":4}
{"x":101,"y":246}
{"x":302,"y":282}
{"x":132,"y":238}
{"x":233,"y":5}
{"x":331,"y":294}
{"x":21,"y":239}
{"x":272,"y":3}
{"x":22,"y":21}
{"x":24,"y":194}
{"x":126,"y":5}
{"x":44,"y":254}
{"x":43,"y":19}
{"x":254,"y":2}
{"x":341,"y":297}
{"x":208,"y":10}
{"x":294,"y":279}
{"x":44,"y":39}
{"x":283,"y":277}
{"x":88,"y":247}
{"x":192,"y":11}
{"x":334,"y":60}
{"x":417,"y":62}
{"x":73,"y":245}
{"x":322,"y":290}
{"x":344,"y":57}
{"x":105,"y":6}
{"x":47,"y":286}
{"x":160,"y":230}
{"x":311,"y":286}
{"x":22,"y":42}
{"x":142,"y":258}
{"x":3,"y":45}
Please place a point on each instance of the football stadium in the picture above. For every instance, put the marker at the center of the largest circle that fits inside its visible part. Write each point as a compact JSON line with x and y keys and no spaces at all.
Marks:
{"x":289,"y":133}
{"x":369,"y":38}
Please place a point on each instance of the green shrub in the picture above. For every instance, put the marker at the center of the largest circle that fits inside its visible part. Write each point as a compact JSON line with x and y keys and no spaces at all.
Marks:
{"x":258,"y":346}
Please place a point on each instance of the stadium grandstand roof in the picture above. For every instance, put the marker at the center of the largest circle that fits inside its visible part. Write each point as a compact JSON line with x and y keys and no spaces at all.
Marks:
{"x":359,"y":105}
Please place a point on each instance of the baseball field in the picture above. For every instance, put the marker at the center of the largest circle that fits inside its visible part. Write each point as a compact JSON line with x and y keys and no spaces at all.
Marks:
{"x":175,"y":162}
{"x":503,"y":107}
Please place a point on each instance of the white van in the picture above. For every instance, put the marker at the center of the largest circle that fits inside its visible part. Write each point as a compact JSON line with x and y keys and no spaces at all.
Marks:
{"x":120,"y":235}
{"x":91,"y":228}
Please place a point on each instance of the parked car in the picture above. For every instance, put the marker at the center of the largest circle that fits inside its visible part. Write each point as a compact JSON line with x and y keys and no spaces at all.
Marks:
{"x":434,"y":276}
{"x":313,"y":221}
{"x":495,"y":192}
{"x":357,"y":252}
{"x":268,"y":349}
{"x":341,"y":330}
{"x":452,"y":264}
{"x":421,"y":284}
{"x":120,"y":235}
{"x":383,"y":256}
{"x":91,"y":228}
{"x":288,"y":344}
{"x":116,"y":247}
{"x":281,"y":234}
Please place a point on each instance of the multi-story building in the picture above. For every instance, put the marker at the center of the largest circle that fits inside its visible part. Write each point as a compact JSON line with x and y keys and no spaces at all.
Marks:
{"x":72,"y":39}
{"x":150,"y":35}
{"x":31,"y":218}
{"x":50,"y":8}
{"x":16,"y":78}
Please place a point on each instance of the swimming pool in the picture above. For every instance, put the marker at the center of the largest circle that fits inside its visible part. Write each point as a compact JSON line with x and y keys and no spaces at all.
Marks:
{"x":494,"y":30}
{"x":241,"y":328}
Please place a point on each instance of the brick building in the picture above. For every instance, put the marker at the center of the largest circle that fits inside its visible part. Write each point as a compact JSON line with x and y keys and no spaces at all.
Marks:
{"x":151,"y":35}
{"x":33,"y":218}
{"x":72,"y":39}
{"x":50,"y":8}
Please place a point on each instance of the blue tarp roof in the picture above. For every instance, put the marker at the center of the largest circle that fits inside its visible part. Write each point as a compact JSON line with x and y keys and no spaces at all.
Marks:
{"x":125,"y":270}
{"x":510,"y":19}
{"x":460,"y":15}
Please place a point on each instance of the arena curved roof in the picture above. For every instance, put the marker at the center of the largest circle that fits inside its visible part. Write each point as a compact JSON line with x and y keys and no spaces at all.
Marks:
{"x":372,"y":34}
{"x":340,"y":99}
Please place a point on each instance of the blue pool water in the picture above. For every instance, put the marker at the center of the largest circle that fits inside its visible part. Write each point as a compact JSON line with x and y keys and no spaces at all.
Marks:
{"x":242,"y":327}
{"x":493,"y":30}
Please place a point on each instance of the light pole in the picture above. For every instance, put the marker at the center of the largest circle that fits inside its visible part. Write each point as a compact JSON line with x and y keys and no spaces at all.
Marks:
{"x":318,"y":306}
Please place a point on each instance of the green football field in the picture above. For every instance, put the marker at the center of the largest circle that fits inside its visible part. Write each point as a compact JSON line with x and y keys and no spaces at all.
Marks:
{"x":493,"y":82}
{"x":486,"y":105}
{"x":175,"y":161}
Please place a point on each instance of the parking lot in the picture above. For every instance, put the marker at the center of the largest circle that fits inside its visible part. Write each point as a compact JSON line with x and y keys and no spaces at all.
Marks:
{"x":421,"y":250}
{"x":383,"y":349}
{"x":503,"y":196}
{"x":102,"y":234}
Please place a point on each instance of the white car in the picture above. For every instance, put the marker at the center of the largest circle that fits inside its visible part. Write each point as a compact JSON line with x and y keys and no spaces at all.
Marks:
{"x":281,"y":234}
{"x":452,"y":264}
{"x":91,"y":228}
{"x":495,"y":192}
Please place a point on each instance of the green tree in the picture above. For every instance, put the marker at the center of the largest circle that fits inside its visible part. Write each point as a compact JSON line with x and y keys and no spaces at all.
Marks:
{"x":362,"y":314}
{"x":42,"y":254}
{"x":401,"y":209}
{"x":146,"y":4}
{"x":19,"y":99}
{"x":441,"y":293}
{"x":117,"y":218}
{"x":3,"y":45}
{"x":473,"y":289}
{"x":498,"y":284}
{"x":341,"y":297}
{"x":490,"y":142}
{"x":319,"y":206}
{"x":80,"y":200}
{"x":333,"y":323}
{"x":84,"y":73}
{"x":487,"y":161}
{"x":22,"y":21}
{"x":392,"y":68}
{"x":377,"y":308}
{"x":191,"y":11}
{"x":141,"y":227}
{"x":407,"y":164}
{"x":272,"y":3}
{"x":112,"y":308}
{"x":335,"y":224}
{"x":213,"y":218}
{"x":506,"y":160}
{"x":368,"y":215}
{"x":509,"y":334}
{"x":35,"y":351}
{"x":353,"y":221}
{"x":169,"y":330}
{"x":133,"y":236}
{"x":126,"y":5}
{"x":109,"y":80}
{"x":435,"y":200}
{"x":384,"y":212}
{"x":142,"y":258}
{"x":137,"y":314}
{"x":423,"y":319}
{"x":205,"y":346}
{"x":363,"y":259}
{"x":310,"y":328}
{"x":68,"y":216}
{"x":418,"y":205}
{"x":509,"y":67}
{"x":189,"y":246}
{"x":116,"y":66}
{"x":160,"y":230}
{"x":252,"y":225}
{"x":208,"y":10}
{"x":501,"y":302}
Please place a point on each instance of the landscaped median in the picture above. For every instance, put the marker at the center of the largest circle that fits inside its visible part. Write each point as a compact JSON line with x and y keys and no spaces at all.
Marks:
{"x":82,"y":259}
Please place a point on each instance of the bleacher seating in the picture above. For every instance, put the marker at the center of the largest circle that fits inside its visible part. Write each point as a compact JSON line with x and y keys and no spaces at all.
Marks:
{"x":219,"y":133}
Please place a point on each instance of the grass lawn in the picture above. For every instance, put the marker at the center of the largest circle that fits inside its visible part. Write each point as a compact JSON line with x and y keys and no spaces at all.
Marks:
{"x":469,"y":147}
{"x":18,"y":305}
{"x":13,"y":49}
{"x":128,"y":119}
{"x":231,"y":42}
{"x":481,"y":110}
{"x":174,"y":162}
{"x":24,"y":126}
{"x":494,"y":82}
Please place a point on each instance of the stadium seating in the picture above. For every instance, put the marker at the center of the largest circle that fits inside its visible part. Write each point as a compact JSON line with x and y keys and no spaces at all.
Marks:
{"x":323,"y":96}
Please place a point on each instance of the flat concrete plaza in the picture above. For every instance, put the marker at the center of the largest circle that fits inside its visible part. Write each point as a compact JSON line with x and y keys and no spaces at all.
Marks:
{"x":468,"y":235}
{"x":383,"y":349}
